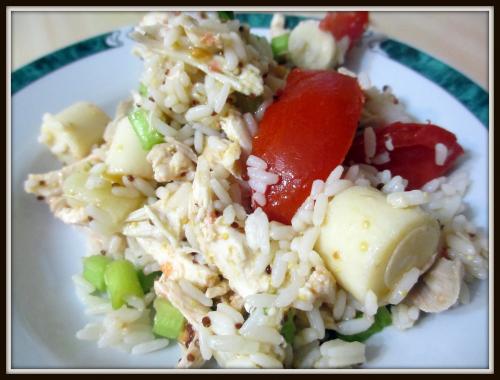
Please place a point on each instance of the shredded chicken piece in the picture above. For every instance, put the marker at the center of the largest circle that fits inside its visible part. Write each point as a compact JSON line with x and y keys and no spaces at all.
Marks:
{"x":49,"y":187}
{"x":236,"y":130}
{"x":171,"y":160}
{"x":50,"y":184}
{"x":322,"y":284}
{"x":439,"y":288}
{"x":201,"y":203}
{"x":176,"y":264}
{"x":67,"y":213}
{"x":224,"y":152}
{"x":223,"y":246}
{"x":193,"y":311}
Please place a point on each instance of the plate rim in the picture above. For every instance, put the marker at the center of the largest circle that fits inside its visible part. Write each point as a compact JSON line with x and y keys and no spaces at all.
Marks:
{"x":471,"y":95}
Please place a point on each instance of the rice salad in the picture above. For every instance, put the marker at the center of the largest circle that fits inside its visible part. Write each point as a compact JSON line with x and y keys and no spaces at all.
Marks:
{"x":186,"y":243}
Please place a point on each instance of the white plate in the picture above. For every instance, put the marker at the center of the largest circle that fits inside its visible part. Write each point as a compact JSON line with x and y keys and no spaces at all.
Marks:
{"x":46,"y":253}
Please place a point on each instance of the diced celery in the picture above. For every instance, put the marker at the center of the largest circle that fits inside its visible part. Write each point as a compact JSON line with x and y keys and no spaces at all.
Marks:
{"x":93,"y":270}
{"x":143,"y":90}
{"x":226,"y":15}
{"x":122,"y":281}
{"x":288,"y":328}
{"x":147,"y":280}
{"x":382,"y":319}
{"x":168,"y":321}
{"x":279,"y":45}
{"x":148,"y":136}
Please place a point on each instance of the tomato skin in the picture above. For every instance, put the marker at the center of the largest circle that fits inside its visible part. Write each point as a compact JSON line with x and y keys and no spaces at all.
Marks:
{"x":340,"y":24}
{"x":297,"y":75}
{"x":413,"y":156}
{"x":305,"y":134}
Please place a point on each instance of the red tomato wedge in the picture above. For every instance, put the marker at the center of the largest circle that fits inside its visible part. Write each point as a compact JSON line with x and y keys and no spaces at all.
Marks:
{"x":413,"y":156}
{"x":305,"y":134}
{"x":350,"y":24}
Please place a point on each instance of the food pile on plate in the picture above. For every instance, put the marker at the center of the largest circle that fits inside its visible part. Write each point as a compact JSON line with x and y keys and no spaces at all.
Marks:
{"x":257,"y":202}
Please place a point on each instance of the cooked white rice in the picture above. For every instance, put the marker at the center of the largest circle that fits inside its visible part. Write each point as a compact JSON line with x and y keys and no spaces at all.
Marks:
{"x":441,"y":152}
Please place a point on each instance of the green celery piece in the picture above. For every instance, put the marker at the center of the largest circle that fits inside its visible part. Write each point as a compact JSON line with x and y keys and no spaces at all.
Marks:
{"x":122,"y":281}
{"x":226,"y":15}
{"x":168,"y":321}
{"x":93,"y":270}
{"x":382,"y":319}
{"x":279,"y":45}
{"x":148,"y":136}
{"x":147,"y":280}
{"x":288,"y":329}
{"x":143,"y":90}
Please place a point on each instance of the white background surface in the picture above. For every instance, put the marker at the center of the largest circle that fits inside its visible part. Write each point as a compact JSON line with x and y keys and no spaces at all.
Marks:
{"x":457,"y":38}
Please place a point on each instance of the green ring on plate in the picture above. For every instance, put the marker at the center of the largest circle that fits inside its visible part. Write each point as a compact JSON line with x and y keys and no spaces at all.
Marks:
{"x":37,"y":69}
{"x":472,"y":96}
